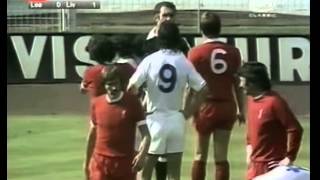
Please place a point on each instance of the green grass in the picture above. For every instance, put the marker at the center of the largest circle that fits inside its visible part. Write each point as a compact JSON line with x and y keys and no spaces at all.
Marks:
{"x":52,"y":147}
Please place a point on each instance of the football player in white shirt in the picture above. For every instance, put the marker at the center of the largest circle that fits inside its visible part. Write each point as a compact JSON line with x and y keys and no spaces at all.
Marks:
{"x":285,"y":173}
{"x":166,"y":74}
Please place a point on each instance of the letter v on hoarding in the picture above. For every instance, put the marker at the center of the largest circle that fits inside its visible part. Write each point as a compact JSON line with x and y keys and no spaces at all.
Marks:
{"x":29,"y":62}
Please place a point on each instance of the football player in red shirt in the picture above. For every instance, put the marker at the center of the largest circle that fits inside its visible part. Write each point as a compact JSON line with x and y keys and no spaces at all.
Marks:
{"x":273,"y":132}
{"x":217,"y":62}
{"x":101,"y":50}
{"x":114,"y":116}
{"x":105,"y":51}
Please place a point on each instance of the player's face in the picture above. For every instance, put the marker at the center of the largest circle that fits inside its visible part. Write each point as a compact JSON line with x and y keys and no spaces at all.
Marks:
{"x":113,"y":87}
{"x":166,"y":14}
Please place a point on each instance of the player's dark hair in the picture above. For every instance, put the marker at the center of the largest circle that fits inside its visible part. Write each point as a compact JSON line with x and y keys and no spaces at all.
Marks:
{"x":123,"y":44}
{"x":210,"y":24}
{"x":101,"y":49}
{"x":167,"y":4}
{"x":169,"y":36}
{"x":256,"y":73}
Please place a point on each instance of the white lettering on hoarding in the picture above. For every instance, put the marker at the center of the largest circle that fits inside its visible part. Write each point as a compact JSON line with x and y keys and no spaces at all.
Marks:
{"x":58,"y":57}
{"x":29,"y":62}
{"x":80,"y":53}
{"x":263,"y":52}
{"x":288,"y":63}
{"x":242,"y":45}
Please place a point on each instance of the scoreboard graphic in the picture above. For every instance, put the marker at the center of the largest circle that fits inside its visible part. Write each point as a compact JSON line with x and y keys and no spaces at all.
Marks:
{"x":63,"y":4}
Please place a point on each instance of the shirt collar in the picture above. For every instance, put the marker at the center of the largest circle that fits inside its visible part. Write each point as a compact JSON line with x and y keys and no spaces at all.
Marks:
{"x":114,"y":100}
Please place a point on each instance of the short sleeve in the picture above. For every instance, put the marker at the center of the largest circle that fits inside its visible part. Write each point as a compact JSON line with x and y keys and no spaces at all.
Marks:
{"x":195,"y":80}
{"x":140,"y":75}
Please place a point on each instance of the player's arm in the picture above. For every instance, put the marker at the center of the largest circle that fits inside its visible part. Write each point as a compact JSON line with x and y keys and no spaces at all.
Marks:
{"x":91,"y":139}
{"x":248,"y":153}
{"x":293,"y":128}
{"x":197,"y":92}
{"x":237,"y":91}
{"x":239,"y":98}
{"x":138,"y":78}
{"x":137,"y":163}
{"x":248,"y":146}
{"x":194,"y":100}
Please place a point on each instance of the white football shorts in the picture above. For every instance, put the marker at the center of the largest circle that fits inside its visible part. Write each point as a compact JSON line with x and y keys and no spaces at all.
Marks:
{"x":285,"y":173}
{"x":167,"y":129}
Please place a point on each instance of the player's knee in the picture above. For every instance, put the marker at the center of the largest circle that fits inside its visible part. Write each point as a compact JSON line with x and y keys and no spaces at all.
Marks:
{"x":200,"y":157}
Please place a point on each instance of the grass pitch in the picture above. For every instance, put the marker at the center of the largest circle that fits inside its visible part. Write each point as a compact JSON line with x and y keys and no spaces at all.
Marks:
{"x":52,"y":147}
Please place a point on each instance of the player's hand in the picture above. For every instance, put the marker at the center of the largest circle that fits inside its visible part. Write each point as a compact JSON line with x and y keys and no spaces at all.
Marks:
{"x":138,"y":162}
{"x":284,"y":162}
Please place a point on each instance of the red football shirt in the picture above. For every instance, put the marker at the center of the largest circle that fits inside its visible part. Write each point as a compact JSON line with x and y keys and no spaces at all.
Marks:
{"x":116,"y":124}
{"x":270,"y":122}
{"x":217,"y":62}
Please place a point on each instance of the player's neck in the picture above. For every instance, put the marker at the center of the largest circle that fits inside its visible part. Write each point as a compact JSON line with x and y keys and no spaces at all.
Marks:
{"x":114,"y":98}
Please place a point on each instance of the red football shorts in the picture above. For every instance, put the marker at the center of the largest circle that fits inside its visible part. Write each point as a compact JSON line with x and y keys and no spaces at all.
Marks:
{"x":215,"y":114}
{"x":110,"y":168}
{"x":256,"y":169}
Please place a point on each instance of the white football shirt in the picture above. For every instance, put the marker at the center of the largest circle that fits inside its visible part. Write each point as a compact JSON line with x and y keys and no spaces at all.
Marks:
{"x":166,"y":74}
{"x":285,"y":173}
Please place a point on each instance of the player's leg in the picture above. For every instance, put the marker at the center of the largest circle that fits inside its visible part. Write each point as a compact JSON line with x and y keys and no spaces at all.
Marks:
{"x":200,"y":157}
{"x":221,"y":140}
{"x":203,"y":124}
{"x":147,"y":170}
{"x":174,"y":165}
{"x":175,"y":144}
{"x":161,"y":168}
{"x":157,"y":147}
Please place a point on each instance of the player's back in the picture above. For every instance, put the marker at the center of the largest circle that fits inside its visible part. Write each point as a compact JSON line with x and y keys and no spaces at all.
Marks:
{"x":168,"y":75}
{"x":217,"y":62}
